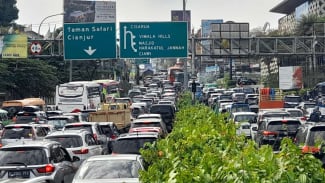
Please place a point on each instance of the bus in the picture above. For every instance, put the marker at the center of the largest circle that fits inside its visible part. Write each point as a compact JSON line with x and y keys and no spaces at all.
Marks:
{"x":109,"y":88}
{"x":77,"y":96}
{"x":171,"y":73}
{"x":15,"y":106}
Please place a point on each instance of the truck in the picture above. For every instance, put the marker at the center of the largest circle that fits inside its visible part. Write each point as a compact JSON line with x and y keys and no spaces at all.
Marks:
{"x":119,"y":113}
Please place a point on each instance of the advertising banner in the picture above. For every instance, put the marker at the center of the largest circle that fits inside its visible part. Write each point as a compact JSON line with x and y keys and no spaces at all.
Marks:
{"x":290,"y":77}
{"x":14,"y":46}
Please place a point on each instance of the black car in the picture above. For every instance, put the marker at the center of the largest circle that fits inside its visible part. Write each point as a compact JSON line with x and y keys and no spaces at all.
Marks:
{"x":167,"y":112}
{"x":292,"y":101}
{"x":272,"y":130}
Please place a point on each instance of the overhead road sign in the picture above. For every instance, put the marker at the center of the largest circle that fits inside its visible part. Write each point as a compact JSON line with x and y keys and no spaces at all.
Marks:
{"x":87,"y":41}
{"x":153,"y":40}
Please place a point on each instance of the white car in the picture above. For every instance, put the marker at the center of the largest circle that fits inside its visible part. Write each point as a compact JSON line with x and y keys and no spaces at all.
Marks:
{"x":110,"y":168}
{"x":245,"y":122}
{"x":80,"y":143}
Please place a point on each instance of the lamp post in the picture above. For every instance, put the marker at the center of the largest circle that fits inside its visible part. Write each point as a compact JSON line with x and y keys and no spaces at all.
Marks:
{"x":185,"y":61}
{"x":39,"y":27}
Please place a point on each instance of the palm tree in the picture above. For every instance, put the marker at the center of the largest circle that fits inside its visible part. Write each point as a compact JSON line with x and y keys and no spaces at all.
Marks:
{"x":304,"y":26}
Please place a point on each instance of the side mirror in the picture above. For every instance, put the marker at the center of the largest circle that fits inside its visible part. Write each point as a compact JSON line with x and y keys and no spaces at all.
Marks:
{"x":254,"y":128}
{"x":75,"y":158}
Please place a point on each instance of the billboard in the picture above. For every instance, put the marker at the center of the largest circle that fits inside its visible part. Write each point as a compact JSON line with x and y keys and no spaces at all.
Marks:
{"x":290,"y":77}
{"x":80,"y":11}
{"x":177,"y":15}
{"x":206,"y":26}
{"x":14,"y":46}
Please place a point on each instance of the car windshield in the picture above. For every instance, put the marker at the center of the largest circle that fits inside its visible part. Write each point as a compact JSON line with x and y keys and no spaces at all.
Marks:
{"x":317,"y":136}
{"x":290,"y":126}
{"x":17,"y":132}
{"x":242,"y":118}
{"x":22,"y":155}
{"x":131,"y":145}
{"x":69,"y":141}
{"x":240,"y":108}
{"x":109,"y":169}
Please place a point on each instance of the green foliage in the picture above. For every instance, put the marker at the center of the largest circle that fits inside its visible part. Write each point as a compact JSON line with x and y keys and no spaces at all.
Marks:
{"x":203,"y":148}
{"x":184,"y":100}
{"x":8,"y":12}
{"x":28,"y":78}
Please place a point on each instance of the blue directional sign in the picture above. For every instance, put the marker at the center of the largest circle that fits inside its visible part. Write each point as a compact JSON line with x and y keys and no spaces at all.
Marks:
{"x":153,"y":39}
{"x":89,"y":41}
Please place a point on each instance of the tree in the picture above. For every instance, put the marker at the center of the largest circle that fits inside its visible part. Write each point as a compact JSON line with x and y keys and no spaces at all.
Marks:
{"x":8,"y":12}
{"x":305,"y":24}
{"x":28,"y":78}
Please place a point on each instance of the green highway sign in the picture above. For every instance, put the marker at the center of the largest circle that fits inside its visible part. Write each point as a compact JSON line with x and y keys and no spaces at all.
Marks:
{"x":89,"y":41}
{"x":153,"y":39}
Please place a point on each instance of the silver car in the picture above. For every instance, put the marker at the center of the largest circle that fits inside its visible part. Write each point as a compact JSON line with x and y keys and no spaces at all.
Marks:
{"x":31,"y":159}
{"x":78,"y":143}
{"x":110,"y":168}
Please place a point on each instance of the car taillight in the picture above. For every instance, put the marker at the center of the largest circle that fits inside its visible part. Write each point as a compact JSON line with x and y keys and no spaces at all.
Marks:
{"x":36,"y":119}
{"x":304,"y":118}
{"x":81,"y":151}
{"x":269,"y":133}
{"x":49,"y":168}
{"x":113,"y":137}
{"x":310,"y":149}
{"x":95,"y":136}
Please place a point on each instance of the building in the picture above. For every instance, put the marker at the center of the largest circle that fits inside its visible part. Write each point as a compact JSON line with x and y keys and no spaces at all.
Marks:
{"x":294,"y":9}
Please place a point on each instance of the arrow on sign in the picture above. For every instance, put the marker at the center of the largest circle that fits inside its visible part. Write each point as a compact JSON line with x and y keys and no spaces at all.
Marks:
{"x":90,"y":51}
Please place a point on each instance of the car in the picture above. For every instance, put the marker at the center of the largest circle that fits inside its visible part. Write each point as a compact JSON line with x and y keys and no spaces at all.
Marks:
{"x":131,"y":143}
{"x":149,"y":115}
{"x":272,"y":130}
{"x":77,"y":116}
{"x":307,"y":107}
{"x":53,"y":113}
{"x":310,"y":137}
{"x":22,"y":132}
{"x":110,"y":168}
{"x":58,"y":122}
{"x":94,"y":128}
{"x":25,"y":160}
{"x":111,"y":131}
{"x":78,"y":143}
{"x":271,"y":113}
{"x":167,"y":112}
{"x":296,"y":113}
{"x":291,"y":101}
{"x":149,"y":125}
{"x":245,"y":121}
{"x":25,"y":117}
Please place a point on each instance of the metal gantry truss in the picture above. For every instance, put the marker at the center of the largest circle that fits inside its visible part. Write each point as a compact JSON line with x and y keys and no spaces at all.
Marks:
{"x":260,"y":46}
{"x":232,"y":47}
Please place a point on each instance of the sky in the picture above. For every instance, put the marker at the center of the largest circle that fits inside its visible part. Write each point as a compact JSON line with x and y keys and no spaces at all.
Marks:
{"x":254,"y":12}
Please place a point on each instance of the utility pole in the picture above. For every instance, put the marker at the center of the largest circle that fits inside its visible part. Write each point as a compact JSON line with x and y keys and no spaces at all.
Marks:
{"x":185,"y":60}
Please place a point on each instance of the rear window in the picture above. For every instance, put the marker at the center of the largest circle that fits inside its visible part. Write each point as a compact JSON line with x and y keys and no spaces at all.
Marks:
{"x":283,"y":126}
{"x":131,"y":145}
{"x":26,"y":117}
{"x":79,"y":127}
{"x":242,"y":118}
{"x":23,"y":156}
{"x":161,"y":109}
{"x":296,"y":113}
{"x":316,"y":136}
{"x":17,"y":132}
{"x":57,"y":123}
{"x":69,"y":141}
{"x":145,"y":124}
{"x":274,"y":115}
{"x":292,"y":99}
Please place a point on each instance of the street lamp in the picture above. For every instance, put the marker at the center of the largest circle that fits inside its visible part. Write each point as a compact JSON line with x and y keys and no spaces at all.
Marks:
{"x":39,"y":27}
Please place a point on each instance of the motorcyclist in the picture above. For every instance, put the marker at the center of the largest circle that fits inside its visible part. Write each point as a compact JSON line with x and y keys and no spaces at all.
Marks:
{"x":315,"y":116}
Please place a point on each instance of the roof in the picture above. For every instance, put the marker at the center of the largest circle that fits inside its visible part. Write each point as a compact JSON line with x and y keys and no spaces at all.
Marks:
{"x":244,"y":113}
{"x":140,"y":135}
{"x":287,"y":6}
{"x":145,"y":120}
{"x":115,"y":157}
{"x":33,"y":143}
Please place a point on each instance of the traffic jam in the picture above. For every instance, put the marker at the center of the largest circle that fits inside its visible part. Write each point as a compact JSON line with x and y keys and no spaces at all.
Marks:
{"x":96,"y":129}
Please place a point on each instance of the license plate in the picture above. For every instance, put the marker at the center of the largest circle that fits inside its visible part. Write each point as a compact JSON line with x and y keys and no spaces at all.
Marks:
{"x":19,"y":174}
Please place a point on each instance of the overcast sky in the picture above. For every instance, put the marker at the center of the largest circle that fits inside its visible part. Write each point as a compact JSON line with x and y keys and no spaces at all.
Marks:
{"x":255,"y":12}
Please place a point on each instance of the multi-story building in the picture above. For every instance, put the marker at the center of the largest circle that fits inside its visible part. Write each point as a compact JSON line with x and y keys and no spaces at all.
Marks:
{"x":294,"y":9}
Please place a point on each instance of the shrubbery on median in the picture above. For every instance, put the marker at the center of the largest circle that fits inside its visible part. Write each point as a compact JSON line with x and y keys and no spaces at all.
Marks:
{"x":204,"y":148}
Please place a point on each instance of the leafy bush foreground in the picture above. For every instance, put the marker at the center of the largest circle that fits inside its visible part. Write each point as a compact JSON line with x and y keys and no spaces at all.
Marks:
{"x":203,"y":148}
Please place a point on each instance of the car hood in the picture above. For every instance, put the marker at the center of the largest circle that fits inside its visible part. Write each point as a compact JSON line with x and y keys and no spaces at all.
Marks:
{"x":121,"y":180}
